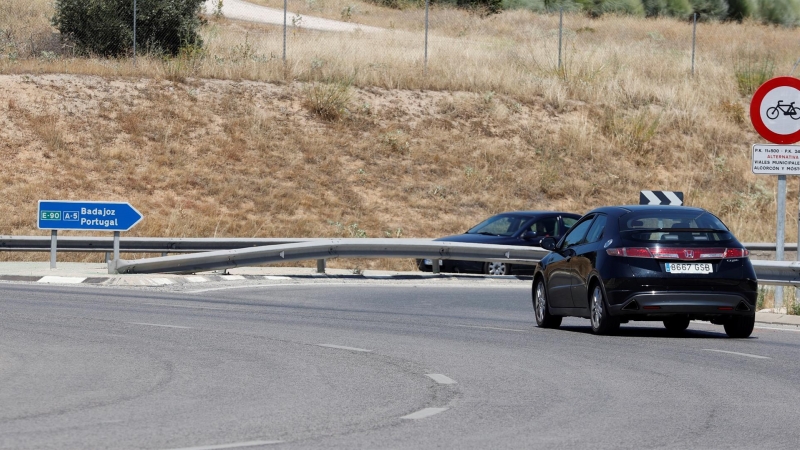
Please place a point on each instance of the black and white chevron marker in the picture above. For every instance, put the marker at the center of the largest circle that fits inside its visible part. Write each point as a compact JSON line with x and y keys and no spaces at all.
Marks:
{"x":660,"y":198}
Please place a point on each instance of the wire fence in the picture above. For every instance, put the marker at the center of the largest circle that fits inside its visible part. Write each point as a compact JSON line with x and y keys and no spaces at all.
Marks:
{"x":313,"y":39}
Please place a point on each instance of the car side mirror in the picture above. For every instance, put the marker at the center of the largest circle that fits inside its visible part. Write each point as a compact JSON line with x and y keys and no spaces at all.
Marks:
{"x":530,"y":234}
{"x":549,"y":243}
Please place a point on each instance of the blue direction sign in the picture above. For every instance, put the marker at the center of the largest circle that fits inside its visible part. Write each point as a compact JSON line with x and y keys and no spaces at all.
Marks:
{"x":99,"y":216}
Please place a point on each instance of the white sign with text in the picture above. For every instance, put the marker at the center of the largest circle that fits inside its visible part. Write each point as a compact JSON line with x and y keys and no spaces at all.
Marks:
{"x":772,"y":159}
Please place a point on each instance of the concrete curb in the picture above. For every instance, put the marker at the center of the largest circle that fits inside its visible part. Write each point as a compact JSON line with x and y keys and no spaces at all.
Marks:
{"x":777,"y":319}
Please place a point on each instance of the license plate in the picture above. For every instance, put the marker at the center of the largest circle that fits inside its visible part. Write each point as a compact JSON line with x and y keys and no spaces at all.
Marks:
{"x":427,"y":262}
{"x":689,"y":267}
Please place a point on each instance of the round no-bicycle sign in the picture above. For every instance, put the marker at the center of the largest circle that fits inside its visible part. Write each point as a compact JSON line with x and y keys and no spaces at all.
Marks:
{"x":775,"y":110}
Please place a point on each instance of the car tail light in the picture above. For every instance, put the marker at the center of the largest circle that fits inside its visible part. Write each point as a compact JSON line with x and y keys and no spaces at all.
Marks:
{"x":679,"y":253}
{"x":737,"y":253}
{"x":633,"y":252}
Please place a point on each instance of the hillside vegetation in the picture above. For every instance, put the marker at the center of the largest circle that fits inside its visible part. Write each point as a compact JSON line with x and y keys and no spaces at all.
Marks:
{"x":353,"y":137}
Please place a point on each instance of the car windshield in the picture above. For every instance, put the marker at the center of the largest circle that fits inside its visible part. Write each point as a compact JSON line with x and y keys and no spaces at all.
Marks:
{"x":666,"y":226}
{"x":500,"y":225}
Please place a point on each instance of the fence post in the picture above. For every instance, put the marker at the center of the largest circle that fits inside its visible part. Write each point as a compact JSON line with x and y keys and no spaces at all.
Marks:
{"x":560,"y":32}
{"x":285,"y":6}
{"x":425,"y":69}
{"x":694,"y":38}
{"x":134,"y":32}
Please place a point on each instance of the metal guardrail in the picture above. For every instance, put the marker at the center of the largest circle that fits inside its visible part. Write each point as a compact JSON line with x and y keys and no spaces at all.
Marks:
{"x":193,"y":245}
{"x":768,"y":246}
{"x":779,"y":273}
{"x":137,"y":244}
{"x":232,"y":252}
{"x":322,"y":249}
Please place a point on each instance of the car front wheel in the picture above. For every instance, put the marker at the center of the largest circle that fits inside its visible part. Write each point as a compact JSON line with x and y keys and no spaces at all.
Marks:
{"x":496,"y":268}
{"x":740,"y":326}
{"x":543,"y":317}
{"x":602,"y":322}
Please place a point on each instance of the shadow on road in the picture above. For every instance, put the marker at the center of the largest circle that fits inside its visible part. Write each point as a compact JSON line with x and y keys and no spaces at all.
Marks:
{"x":655,"y":333}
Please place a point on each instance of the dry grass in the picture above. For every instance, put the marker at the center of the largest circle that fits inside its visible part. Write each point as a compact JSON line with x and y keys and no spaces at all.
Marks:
{"x":234,"y":143}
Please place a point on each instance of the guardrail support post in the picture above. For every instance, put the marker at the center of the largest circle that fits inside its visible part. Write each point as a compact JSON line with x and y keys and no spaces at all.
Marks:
{"x":320,"y":266}
{"x":435,"y":266}
{"x":53,"y":247}
{"x":116,"y":245}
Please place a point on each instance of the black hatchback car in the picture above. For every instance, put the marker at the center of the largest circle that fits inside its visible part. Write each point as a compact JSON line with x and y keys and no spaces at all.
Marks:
{"x":659,"y":263}
{"x":526,"y":228}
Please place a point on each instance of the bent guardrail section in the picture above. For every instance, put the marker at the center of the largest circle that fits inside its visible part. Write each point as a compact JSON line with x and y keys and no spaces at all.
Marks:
{"x":192,"y":245}
{"x":321,"y":249}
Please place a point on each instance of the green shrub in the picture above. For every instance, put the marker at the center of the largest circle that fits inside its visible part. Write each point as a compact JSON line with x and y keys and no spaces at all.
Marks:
{"x":487,"y":6}
{"x":679,"y":8}
{"x":631,"y":7}
{"x":780,"y":12}
{"x":530,"y":5}
{"x":673,"y":8}
{"x":711,"y":9}
{"x":105,"y":27}
{"x":742,"y":9}
{"x":398,"y":4}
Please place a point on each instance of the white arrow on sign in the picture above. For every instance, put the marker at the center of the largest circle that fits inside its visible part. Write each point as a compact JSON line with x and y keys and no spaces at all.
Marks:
{"x":673,"y":199}
{"x":652,"y":198}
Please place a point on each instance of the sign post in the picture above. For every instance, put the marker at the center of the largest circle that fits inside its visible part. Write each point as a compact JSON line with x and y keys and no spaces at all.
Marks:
{"x":57,"y":215}
{"x":777,"y":119}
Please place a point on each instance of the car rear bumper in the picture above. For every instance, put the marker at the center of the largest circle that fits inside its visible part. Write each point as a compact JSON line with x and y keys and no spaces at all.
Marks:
{"x":690,"y":303}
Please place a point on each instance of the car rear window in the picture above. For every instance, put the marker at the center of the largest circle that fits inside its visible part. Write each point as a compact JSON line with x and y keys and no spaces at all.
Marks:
{"x":673,"y":226}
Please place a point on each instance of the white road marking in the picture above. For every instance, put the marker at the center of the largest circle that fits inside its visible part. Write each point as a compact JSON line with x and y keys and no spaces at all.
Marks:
{"x":490,"y":328}
{"x":441,"y":379}
{"x":55,"y":279}
{"x":196,"y":279}
{"x":737,"y":353}
{"x":423,"y":413}
{"x":159,"y":325}
{"x":275,"y":277}
{"x":454,"y":285}
{"x":234,"y":445}
{"x":225,"y":288}
{"x":341,"y":347}
{"x":159,"y":281}
{"x":777,"y":329}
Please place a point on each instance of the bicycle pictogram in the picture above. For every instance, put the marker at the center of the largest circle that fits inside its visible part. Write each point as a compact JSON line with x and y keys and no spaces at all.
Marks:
{"x":786,"y":109}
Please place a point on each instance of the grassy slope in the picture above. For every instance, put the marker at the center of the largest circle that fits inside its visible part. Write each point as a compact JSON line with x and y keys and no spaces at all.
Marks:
{"x":494,"y":126}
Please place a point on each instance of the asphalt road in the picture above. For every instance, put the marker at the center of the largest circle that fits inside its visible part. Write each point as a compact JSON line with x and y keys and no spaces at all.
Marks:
{"x":374,"y":365}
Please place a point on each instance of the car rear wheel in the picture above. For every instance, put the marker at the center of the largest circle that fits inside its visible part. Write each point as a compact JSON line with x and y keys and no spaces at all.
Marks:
{"x":602,"y":322}
{"x":740,"y":326}
{"x":496,"y":268}
{"x":543,"y":317}
{"x":676,"y":324}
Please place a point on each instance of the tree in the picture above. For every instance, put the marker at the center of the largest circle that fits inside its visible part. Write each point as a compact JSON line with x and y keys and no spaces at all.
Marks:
{"x":105,"y":27}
